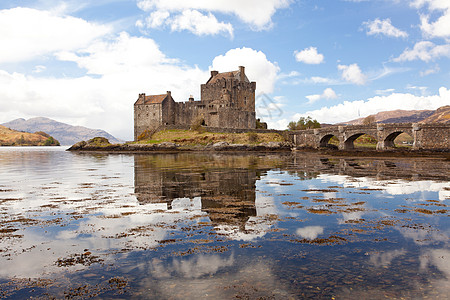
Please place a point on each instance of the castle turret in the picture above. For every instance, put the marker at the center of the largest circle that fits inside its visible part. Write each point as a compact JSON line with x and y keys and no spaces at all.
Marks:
{"x":242,"y":73}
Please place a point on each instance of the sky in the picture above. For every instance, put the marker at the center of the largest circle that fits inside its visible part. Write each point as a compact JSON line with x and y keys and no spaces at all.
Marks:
{"x":85,"y":62}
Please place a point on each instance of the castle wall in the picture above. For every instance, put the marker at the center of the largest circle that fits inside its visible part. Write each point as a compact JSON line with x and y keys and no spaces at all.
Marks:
{"x":230,"y":93}
{"x":168,"y":112}
{"x":147,"y":117}
{"x":226,"y":102}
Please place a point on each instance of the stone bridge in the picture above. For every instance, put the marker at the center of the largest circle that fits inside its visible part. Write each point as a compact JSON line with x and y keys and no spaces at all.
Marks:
{"x":426,"y":136}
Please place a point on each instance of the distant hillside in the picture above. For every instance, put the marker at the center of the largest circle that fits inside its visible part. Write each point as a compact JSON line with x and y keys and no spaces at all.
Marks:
{"x":66,"y":134}
{"x":9,"y":137}
{"x":441,"y":115}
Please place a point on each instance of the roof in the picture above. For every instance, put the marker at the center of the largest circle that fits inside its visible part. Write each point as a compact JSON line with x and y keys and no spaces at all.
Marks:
{"x":151,"y":99}
{"x":227,"y":75}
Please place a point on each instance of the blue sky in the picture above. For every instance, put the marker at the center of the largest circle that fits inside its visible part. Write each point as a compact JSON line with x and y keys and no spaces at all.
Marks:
{"x":85,"y":62}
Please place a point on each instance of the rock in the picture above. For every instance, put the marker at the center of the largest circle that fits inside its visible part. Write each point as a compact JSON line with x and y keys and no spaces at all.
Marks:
{"x":98,"y":141}
{"x":220,"y":145}
{"x":77,"y":146}
{"x":167,"y":145}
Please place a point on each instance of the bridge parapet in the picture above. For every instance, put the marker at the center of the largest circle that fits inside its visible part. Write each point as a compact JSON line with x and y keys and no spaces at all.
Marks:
{"x":426,"y":136}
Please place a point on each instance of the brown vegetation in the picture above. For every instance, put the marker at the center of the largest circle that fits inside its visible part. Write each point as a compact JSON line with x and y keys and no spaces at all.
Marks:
{"x":9,"y":137}
{"x":190,"y":137}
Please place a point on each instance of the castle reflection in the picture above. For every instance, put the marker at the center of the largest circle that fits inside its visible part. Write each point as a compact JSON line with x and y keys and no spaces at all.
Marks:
{"x":226,"y":184}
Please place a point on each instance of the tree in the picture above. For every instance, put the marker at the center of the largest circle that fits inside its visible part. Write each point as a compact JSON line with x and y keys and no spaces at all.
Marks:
{"x":304,"y":123}
{"x":51,"y":142}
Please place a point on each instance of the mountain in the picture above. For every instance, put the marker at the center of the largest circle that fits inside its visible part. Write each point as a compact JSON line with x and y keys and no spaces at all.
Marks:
{"x":441,"y":115}
{"x":66,"y":134}
{"x":9,"y":137}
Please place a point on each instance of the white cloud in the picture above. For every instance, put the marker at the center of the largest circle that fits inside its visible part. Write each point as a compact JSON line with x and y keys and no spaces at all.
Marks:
{"x":384,"y":92}
{"x":430,"y":71}
{"x":377,"y":27}
{"x":310,"y":232}
{"x":257,"y":67}
{"x":318,"y":79}
{"x":309,"y":56}
{"x":288,"y":75}
{"x":328,"y":94}
{"x":121,"y":54}
{"x":254,"y":12}
{"x":424,"y":50}
{"x":351,"y":110}
{"x":352,"y":73}
{"x":39,"y":69}
{"x":27,"y":33}
{"x":190,"y":20}
{"x":384,"y":259}
{"x":441,"y":26}
{"x":124,"y":67}
{"x":157,"y":18}
{"x":199,"y":24}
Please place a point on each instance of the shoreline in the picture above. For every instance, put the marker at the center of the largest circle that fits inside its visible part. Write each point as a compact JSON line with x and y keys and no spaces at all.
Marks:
{"x":271,"y":147}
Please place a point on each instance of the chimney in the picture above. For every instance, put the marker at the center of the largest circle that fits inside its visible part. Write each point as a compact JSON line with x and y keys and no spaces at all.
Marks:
{"x":242,"y":73}
{"x":214,"y":73}
{"x":191,"y":98}
{"x":169,"y":93}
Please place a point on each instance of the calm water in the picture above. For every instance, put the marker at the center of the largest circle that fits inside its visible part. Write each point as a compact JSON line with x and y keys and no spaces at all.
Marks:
{"x":221,"y":226}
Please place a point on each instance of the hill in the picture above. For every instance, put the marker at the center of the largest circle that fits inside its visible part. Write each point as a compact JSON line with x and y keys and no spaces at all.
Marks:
{"x":66,"y":134}
{"x":441,"y":115}
{"x":9,"y":137}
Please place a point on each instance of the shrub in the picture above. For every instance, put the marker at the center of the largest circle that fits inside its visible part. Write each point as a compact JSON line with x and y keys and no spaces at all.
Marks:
{"x":252,"y":137}
{"x":197,"y":123}
{"x":145,"y":135}
{"x":260,"y":125}
{"x":98,"y":141}
{"x":51,"y":142}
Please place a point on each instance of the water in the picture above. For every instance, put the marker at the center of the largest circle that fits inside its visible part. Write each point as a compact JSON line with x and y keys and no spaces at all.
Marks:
{"x":222,"y":226}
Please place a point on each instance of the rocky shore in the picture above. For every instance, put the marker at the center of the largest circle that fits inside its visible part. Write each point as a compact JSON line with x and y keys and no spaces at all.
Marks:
{"x":100,"y":144}
{"x":168,"y":146}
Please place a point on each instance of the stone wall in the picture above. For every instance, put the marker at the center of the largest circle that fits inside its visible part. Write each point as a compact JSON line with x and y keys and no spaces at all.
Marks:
{"x":227,"y":101}
{"x":230,"y":93}
{"x":426,"y":136}
{"x":432,"y":136}
{"x":146,"y":117}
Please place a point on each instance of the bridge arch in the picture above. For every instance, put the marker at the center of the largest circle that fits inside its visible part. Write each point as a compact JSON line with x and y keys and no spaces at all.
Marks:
{"x":325,"y":140}
{"x":349,"y":142}
{"x":389,"y":140}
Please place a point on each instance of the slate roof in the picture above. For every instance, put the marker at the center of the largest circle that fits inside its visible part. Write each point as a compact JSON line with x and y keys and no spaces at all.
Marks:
{"x":227,"y":75}
{"x":152,"y":99}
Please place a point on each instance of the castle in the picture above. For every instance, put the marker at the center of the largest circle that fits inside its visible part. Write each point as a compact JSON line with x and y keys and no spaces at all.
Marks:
{"x":227,"y":101}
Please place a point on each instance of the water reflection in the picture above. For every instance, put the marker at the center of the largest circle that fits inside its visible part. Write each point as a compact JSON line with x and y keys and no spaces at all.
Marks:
{"x":230,"y":225}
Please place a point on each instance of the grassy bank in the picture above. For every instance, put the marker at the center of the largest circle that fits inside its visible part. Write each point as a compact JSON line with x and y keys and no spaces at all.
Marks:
{"x":192,"y":138}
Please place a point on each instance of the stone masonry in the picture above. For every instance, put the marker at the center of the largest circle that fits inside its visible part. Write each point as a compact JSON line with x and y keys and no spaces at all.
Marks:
{"x":426,"y":136}
{"x":227,"y":101}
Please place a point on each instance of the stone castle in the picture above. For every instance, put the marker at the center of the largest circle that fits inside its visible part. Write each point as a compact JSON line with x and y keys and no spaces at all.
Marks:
{"x":227,"y":101}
